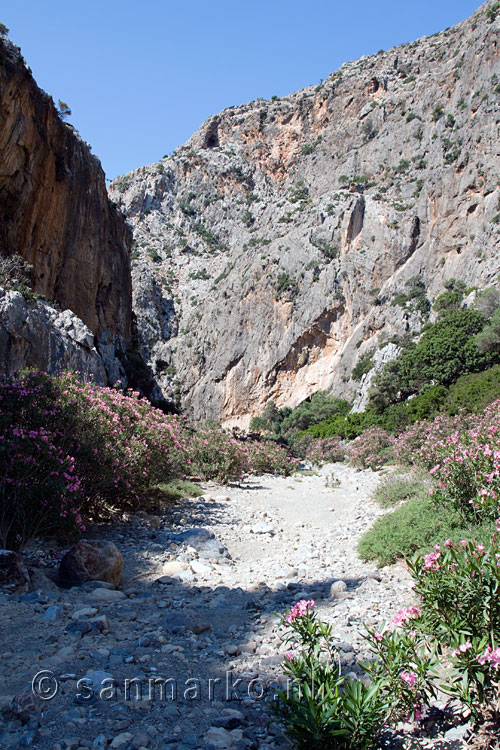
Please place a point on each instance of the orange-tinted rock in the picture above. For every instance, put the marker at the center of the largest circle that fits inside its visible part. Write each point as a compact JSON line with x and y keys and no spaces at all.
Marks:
{"x":54,"y":208}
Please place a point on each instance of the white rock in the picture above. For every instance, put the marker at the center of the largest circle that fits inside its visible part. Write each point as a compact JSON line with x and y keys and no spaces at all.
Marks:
{"x":84,"y":612}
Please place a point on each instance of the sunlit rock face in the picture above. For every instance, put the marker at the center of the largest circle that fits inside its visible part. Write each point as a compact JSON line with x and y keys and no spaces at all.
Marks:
{"x":271,"y":248}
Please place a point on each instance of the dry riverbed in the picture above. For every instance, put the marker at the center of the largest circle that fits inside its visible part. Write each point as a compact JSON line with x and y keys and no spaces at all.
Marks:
{"x":187,"y":654}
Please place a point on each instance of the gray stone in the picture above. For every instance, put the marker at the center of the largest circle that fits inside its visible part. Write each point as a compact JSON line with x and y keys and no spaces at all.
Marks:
{"x":178,"y":622}
{"x":89,"y":561}
{"x":69,"y":743}
{"x":53,"y":613}
{"x":40,"y":581}
{"x":33,"y":596}
{"x":106,"y":596}
{"x":26,"y":705}
{"x":122,"y":740}
{"x":100,"y":742}
{"x":263,"y":528}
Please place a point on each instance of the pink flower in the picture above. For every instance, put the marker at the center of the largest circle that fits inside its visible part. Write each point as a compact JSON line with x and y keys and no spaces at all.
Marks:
{"x":405,"y":614}
{"x":409,"y":677}
{"x":430,"y":561}
{"x":462,"y":649}
{"x":378,"y":636}
{"x":491,"y":656}
{"x":300,"y":609}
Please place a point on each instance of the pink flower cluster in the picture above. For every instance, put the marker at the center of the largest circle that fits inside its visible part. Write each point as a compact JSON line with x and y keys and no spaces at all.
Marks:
{"x":462,"y":649}
{"x":431,"y":561}
{"x":420,"y":443}
{"x":300,"y":609}
{"x":405,"y":614}
{"x":409,"y":677}
{"x":490,"y":656}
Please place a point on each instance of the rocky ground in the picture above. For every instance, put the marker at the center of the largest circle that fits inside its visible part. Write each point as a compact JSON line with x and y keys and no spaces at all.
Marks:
{"x":201,"y":587}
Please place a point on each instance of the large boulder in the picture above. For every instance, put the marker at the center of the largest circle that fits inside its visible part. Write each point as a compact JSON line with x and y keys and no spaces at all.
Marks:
{"x":91,"y":561}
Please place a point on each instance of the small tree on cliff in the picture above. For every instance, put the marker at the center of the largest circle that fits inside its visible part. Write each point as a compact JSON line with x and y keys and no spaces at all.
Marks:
{"x":63,"y":110}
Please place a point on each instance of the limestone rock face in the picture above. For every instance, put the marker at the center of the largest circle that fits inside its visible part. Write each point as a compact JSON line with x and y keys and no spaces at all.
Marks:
{"x":91,"y":561}
{"x":34,"y":334}
{"x":55,"y":212}
{"x":274,"y":248}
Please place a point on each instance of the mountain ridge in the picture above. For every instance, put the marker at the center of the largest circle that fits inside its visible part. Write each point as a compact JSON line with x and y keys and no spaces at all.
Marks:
{"x":270,"y":247}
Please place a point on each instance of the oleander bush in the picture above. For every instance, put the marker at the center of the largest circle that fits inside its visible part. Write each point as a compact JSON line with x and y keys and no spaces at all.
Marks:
{"x":462,"y":456}
{"x":446,"y":644}
{"x":71,"y":451}
{"x":318,"y":451}
{"x":371,"y":449}
{"x":266,"y":457}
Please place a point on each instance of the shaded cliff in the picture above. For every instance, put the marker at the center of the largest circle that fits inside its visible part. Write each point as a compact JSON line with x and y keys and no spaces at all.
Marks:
{"x":282,"y":242}
{"x":55,"y":212}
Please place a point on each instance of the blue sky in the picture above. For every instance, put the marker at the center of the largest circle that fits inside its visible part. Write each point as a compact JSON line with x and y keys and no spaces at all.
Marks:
{"x":140,"y":78}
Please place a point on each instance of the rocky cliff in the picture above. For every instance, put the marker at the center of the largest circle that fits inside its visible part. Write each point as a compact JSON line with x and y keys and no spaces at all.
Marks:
{"x":55,"y":212}
{"x":34,"y":334}
{"x":283,"y":241}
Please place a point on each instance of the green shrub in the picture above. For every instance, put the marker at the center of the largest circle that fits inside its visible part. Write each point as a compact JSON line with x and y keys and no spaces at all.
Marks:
{"x":493,"y":12}
{"x":177,"y":489}
{"x":487,"y":301}
{"x":473,"y":392}
{"x":307,"y":148}
{"x":437,"y":112}
{"x":363,"y":365}
{"x":320,"y":406}
{"x":488,"y":340}
{"x":451,"y":300}
{"x":415,"y":526}
{"x":270,"y":420}
{"x":286,"y":286}
{"x":398,"y":488}
{"x":425,"y":404}
{"x":445,"y":351}
{"x":348,"y":426}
